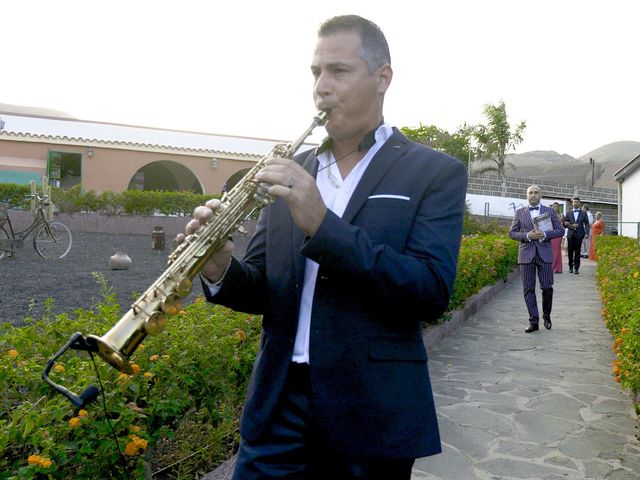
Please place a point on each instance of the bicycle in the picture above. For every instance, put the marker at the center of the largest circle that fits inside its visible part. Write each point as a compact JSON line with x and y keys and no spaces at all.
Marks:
{"x":51,"y":239}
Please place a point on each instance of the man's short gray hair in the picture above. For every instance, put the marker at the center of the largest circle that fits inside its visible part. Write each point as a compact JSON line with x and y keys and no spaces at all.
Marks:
{"x":374,"y":48}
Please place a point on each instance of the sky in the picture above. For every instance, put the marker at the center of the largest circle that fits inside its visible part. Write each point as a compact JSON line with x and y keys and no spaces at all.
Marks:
{"x":568,"y":68}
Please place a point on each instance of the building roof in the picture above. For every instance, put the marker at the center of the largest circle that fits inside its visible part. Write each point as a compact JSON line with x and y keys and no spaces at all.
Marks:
{"x":49,"y":125}
{"x":627,"y":169}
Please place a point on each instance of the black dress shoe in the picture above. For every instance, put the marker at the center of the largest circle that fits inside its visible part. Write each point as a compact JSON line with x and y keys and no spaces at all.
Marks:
{"x":531,"y":328}
{"x":576,"y":271}
{"x":571,"y":270}
{"x":547,"y":323}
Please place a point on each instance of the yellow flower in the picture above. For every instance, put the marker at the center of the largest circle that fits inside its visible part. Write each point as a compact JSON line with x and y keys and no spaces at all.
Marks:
{"x":135,"y":428}
{"x":83,"y":413}
{"x":154,"y":358}
{"x":139,"y":442}
{"x":75,"y":422}
{"x":148,"y":374}
{"x":141,"y":347}
{"x":58,"y":368}
{"x":636,"y":274}
{"x":39,"y":461}
{"x":131,"y":449}
{"x":182,"y":312}
{"x":135,"y":445}
{"x":13,"y":353}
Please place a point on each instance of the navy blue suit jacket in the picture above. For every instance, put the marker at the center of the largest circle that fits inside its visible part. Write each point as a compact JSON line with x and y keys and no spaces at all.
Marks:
{"x":386,"y":266}
{"x":583,"y":224}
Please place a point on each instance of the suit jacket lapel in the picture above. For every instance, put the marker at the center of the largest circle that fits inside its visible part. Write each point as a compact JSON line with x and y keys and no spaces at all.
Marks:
{"x":310,"y":164}
{"x":395,"y":147}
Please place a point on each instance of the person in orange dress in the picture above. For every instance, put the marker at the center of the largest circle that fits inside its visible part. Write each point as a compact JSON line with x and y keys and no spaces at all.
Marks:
{"x":597,"y":229}
{"x":556,"y":244}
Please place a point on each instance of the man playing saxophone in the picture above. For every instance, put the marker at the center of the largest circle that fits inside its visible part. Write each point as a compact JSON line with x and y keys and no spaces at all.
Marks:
{"x":359,"y":248}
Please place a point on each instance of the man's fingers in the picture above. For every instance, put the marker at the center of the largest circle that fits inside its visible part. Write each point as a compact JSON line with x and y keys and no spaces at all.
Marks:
{"x":192,"y":226}
{"x":202,"y":214}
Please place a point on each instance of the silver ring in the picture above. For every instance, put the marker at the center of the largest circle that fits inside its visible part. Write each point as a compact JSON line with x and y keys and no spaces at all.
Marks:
{"x":292,"y":183}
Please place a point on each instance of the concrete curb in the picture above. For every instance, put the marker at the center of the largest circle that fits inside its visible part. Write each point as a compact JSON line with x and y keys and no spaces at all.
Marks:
{"x":434,"y":334}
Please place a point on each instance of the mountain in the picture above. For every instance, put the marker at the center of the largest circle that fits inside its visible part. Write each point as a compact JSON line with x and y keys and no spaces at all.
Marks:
{"x":565,"y":169}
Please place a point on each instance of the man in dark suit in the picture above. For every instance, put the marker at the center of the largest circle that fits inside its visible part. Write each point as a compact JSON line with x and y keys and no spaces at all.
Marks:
{"x":577,"y":223}
{"x":534,"y":226}
{"x":358,"y":249}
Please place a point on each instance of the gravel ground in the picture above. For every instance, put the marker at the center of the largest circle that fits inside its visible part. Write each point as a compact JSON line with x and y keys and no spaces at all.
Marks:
{"x":27,"y":281}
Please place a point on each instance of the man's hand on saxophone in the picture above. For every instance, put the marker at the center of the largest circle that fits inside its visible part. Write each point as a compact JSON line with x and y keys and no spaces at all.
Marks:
{"x":294,"y":184}
{"x":215,"y":268}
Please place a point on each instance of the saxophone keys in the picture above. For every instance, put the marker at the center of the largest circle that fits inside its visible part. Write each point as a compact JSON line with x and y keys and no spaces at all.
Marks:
{"x":171,"y":305}
{"x":184,"y":287}
{"x":156,"y":323}
{"x":261,"y":194}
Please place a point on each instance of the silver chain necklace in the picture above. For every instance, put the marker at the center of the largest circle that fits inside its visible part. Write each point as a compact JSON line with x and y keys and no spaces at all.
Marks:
{"x":333,"y":181}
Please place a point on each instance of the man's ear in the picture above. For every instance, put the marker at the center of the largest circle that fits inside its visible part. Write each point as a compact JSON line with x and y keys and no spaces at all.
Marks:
{"x":385,"y":74}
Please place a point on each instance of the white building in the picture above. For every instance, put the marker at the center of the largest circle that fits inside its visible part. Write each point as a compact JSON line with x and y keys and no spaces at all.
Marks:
{"x":628,"y":178}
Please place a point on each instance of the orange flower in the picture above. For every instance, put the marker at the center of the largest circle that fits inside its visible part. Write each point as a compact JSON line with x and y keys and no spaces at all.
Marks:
{"x":136,"y":445}
{"x":75,"y":422}
{"x":135,"y":368}
{"x":39,"y":461}
{"x":616,"y":369}
{"x":13,"y":353}
{"x":241,"y":335}
{"x":131,"y":449}
{"x":59,"y":368}
{"x":617,"y":378}
{"x":83,"y":413}
{"x":618,"y":341}
{"x":624,"y":331}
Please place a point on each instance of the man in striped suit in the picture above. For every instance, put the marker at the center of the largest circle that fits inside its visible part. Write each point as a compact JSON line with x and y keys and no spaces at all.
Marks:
{"x":535,"y":255}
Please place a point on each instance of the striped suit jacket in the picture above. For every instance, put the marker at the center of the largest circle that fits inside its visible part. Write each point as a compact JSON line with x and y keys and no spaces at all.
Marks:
{"x":522,"y":224}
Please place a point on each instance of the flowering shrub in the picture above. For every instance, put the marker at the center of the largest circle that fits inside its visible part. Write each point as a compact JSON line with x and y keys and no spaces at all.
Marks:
{"x":483,"y":260}
{"x":194,"y":374}
{"x":618,"y":277}
{"x":184,"y":397}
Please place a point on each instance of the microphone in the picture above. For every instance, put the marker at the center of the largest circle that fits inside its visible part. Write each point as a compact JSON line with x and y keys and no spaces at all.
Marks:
{"x":89,"y":395}
{"x":76,"y":342}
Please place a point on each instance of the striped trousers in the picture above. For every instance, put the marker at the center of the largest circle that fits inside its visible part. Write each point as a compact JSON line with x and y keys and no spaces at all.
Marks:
{"x":545,"y":276}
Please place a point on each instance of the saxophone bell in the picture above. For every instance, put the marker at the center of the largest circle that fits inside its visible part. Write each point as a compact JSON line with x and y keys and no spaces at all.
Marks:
{"x":150,"y":312}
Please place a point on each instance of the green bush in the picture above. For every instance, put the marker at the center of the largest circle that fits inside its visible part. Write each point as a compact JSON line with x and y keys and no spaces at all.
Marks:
{"x":187,"y":394}
{"x":618,"y":277}
{"x":129,"y":202}
{"x":483,"y":261}
{"x":186,"y":397}
{"x":14,"y":194}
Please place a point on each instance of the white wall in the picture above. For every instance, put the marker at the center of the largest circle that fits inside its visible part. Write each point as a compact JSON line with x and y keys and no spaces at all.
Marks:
{"x":503,"y":206}
{"x":630,"y":205}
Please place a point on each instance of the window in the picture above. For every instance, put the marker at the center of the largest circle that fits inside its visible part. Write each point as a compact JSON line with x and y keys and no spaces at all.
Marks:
{"x":64,"y":169}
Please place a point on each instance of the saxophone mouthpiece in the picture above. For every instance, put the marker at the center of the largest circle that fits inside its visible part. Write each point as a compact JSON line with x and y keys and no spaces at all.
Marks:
{"x":322,"y":117}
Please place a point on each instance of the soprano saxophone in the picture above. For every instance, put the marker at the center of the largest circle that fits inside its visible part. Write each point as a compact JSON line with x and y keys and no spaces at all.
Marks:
{"x":148,"y":314}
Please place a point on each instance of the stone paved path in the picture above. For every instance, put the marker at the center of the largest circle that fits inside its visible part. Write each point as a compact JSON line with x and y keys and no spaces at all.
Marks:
{"x":543,"y":405}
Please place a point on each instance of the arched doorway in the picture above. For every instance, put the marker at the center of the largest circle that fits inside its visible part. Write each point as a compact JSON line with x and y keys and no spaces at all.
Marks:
{"x":235,"y":178}
{"x":165,"y":175}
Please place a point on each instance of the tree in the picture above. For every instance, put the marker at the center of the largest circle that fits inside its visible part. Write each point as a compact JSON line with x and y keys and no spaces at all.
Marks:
{"x":495,"y":140}
{"x":457,"y":144}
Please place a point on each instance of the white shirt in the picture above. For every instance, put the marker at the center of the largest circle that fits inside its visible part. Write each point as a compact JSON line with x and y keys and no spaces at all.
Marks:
{"x":336,"y":200}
